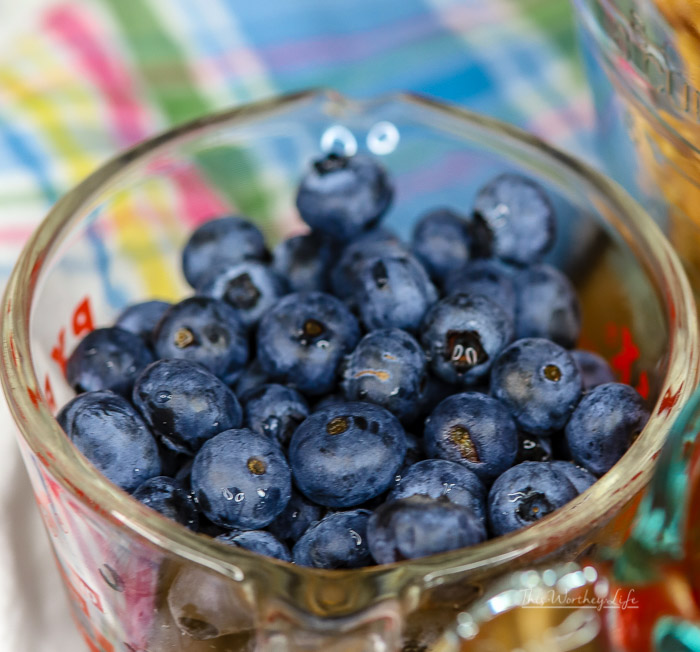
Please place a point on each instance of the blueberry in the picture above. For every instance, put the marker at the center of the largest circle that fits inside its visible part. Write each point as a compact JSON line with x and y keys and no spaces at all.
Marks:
{"x":532,"y":448}
{"x":302,"y":340}
{"x":577,"y":476}
{"x":489,"y":278}
{"x":170,"y":498}
{"x":475,"y":430}
{"x":258,"y":541}
{"x":219,"y":242}
{"x":547,"y":306}
{"x":306,"y":261}
{"x":604,"y":425}
{"x":112,"y":435}
{"x":250,"y":287}
{"x":392,"y":292}
{"x":539,"y":382}
{"x":420,"y":526}
{"x":299,"y":514}
{"x":184,"y":404}
{"x":107,"y":358}
{"x":442,"y":478}
{"x":275,"y":411}
{"x":378,"y":236}
{"x":442,"y":242}
{"x":329,"y":399}
{"x":462,"y":335}
{"x":249,"y":379}
{"x":241,"y":479}
{"x":342,"y":196}
{"x":204,"y":330}
{"x":347,"y":453}
{"x":594,"y":369}
{"x":414,"y":451}
{"x":513,"y":220}
{"x":172,"y":462}
{"x":526,"y":493}
{"x":184,"y":470}
{"x":387,"y":368}
{"x":433,"y":391}
{"x":339,"y":540}
{"x":378,"y":242}
{"x":142,"y":318}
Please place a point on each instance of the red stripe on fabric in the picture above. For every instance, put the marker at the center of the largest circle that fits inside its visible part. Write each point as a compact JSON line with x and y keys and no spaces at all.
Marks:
{"x":199,"y":202}
{"x":15,"y":233}
{"x":74,"y":27}
{"x":77,"y":31}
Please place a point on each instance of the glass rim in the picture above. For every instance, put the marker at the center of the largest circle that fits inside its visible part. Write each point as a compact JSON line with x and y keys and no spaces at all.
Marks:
{"x":606,"y":49}
{"x":41,"y":432}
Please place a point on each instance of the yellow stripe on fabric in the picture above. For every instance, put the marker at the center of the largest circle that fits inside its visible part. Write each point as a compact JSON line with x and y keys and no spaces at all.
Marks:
{"x":161,"y":202}
{"x":140,"y":239}
{"x":56,"y":106}
{"x":42,"y":110}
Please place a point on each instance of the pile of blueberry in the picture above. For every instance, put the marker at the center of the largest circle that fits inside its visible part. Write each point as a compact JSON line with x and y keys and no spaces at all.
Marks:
{"x":351,"y":399}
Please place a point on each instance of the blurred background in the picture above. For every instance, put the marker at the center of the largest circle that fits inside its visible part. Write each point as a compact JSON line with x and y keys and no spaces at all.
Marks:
{"x":82,"y":80}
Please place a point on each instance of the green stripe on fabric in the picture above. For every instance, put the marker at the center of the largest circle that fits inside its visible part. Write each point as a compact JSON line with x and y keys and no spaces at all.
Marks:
{"x":167,"y":78}
{"x":555,"y":20}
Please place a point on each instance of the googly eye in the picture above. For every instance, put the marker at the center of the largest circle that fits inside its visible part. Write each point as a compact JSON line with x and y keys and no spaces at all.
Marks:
{"x":339,"y":140}
{"x":383,"y":138}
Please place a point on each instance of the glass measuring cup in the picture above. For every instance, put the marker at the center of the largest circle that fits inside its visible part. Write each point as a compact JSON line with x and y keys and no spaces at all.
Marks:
{"x":140,"y":582}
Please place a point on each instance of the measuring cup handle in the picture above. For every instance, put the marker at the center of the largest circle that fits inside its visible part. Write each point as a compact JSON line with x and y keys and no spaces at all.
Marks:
{"x":376,"y":629}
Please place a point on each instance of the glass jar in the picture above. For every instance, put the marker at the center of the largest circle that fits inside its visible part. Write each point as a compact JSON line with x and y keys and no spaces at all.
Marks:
{"x":643,"y":63}
{"x":138,"y":581}
{"x":644,"y":598}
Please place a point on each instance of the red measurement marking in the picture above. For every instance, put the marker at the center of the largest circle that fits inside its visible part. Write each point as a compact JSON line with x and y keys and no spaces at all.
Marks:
{"x":671,"y":309}
{"x":104,"y":643}
{"x":77,"y":598}
{"x":623,"y":361}
{"x":669,"y":400}
{"x":643,"y":385}
{"x":82,"y":318}
{"x":35,"y":269}
{"x":58,"y":353}
{"x":33,"y":397}
{"x":611,"y":333}
{"x":92,"y":504}
{"x":82,"y":323}
{"x":91,"y":646}
{"x":48,"y":392}
{"x":93,"y":597}
{"x":687,"y":449}
{"x":13,"y":352}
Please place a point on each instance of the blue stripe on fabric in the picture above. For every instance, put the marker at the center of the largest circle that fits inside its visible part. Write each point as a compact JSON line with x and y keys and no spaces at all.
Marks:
{"x":269,"y":23}
{"x":29,"y":158}
{"x":210,"y":43}
{"x":25,"y":151}
{"x":114,"y":296}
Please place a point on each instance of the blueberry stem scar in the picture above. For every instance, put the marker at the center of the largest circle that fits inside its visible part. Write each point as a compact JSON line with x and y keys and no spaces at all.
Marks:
{"x":183,"y":338}
{"x":460,"y":436}
{"x":552,"y":372}
{"x":337,"y":426}
{"x":256,"y":466}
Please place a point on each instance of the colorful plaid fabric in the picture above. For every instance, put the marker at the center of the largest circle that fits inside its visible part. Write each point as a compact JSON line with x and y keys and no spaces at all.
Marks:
{"x":91,"y":77}
{"x":94,"y":77}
